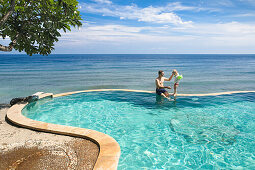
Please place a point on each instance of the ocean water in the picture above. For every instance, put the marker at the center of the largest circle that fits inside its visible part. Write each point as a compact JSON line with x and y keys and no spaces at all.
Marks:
{"x":22,"y":75}
{"x":210,"y":132}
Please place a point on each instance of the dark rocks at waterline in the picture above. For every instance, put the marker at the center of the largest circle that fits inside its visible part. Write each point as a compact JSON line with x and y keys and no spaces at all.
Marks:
{"x":21,"y":100}
{"x":4,"y":105}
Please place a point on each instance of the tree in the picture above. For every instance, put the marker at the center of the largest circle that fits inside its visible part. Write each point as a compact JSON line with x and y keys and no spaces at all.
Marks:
{"x":34,"y":26}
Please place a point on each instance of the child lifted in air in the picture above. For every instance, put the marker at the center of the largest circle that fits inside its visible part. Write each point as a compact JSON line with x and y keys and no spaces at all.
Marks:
{"x":177,"y":79}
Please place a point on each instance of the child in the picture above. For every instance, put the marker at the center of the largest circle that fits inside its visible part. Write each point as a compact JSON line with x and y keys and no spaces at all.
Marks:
{"x":177,"y":79}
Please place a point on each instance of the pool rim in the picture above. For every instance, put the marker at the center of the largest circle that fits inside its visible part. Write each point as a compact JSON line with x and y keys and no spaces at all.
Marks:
{"x":109,"y":149}
{"x":145,"y":91}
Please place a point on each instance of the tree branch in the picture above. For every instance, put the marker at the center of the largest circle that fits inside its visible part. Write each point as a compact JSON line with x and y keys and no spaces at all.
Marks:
{"x":8,"y":48}
{"x":5,"y":48}
{"x":8,"y":14}
{"x":11,"y":45}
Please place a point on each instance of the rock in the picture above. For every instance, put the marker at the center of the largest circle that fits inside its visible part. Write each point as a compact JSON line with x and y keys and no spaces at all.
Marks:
{"x":21,"y":100}
{"x":3,"y":105}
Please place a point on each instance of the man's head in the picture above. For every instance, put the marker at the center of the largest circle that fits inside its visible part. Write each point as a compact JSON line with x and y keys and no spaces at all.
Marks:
{"x":161,"y":73}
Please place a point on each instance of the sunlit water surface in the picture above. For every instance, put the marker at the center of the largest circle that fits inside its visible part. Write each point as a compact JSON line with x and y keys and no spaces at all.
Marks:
{"x":23,"y":75}
{"x":213,"y":132}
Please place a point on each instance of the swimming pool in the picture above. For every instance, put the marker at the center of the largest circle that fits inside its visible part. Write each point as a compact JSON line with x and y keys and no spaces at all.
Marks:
{"x":204,"y":132}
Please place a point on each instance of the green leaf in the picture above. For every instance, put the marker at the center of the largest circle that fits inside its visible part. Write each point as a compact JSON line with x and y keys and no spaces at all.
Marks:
{"x":36,"y":24}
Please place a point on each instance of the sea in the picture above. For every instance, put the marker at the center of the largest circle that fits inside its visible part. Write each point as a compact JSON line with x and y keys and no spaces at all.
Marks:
{"x":22,"y":75}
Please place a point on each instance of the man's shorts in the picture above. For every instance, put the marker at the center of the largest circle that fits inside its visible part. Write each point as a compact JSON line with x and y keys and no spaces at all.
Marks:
{"x":160,"y":91}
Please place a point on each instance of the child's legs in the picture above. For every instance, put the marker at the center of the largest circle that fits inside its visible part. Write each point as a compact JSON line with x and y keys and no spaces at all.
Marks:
{"x":175,"y":88}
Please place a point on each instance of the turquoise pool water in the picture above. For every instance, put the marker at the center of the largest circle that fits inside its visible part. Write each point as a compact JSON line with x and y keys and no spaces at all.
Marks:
{"x":213,"y":132}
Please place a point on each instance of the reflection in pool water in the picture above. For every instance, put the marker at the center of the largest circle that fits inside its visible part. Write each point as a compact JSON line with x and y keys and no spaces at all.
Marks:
{"x":191,"y":132}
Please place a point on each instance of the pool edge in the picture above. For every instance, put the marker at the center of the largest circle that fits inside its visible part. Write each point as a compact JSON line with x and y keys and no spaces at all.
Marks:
{"x":109,"y":149}
{"x":145,"y":91}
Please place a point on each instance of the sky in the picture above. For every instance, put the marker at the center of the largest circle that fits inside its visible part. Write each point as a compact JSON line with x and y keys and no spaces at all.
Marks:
{"x":162,"y":27}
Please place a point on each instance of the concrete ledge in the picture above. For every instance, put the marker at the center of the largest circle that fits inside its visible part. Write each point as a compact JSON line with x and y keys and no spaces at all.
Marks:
{"x":44,"y":95}
{"x":109,"y":149}
{"x":99,"y":90}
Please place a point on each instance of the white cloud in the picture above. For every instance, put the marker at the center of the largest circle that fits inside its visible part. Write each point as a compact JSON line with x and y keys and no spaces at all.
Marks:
{"x":226,"y":3}
{"x":249,"y":2}
{"x":201,"y":38}
{"x":103,"y":1}
{"x":234,"y":29}
{"x":149,"y":14}
{"x":177,"y":6}
{"x":243,"y":15}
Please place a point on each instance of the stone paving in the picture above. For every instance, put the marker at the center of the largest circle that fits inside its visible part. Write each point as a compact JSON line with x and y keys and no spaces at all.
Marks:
{"x":26,"y":149}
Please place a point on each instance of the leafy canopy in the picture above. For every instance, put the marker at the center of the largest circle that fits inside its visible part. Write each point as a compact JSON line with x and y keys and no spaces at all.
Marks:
{"x":34,"y":25}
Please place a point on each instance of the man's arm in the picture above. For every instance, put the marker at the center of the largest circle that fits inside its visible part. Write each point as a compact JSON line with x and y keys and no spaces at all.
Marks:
{"x":170,"y":78}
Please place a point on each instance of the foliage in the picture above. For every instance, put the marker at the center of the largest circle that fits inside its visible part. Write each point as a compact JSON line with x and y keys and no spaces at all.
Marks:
{"x":35,"y":25}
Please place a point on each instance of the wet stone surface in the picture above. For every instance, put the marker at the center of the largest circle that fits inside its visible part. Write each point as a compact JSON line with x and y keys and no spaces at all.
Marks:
{"x":35,"y":155}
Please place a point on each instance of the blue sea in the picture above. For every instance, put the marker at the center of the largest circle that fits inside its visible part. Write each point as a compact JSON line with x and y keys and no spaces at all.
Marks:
{"x":23,"y":75}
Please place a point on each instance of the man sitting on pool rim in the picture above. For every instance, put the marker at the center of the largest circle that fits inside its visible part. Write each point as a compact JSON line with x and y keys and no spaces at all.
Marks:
{"x":160,"y":88}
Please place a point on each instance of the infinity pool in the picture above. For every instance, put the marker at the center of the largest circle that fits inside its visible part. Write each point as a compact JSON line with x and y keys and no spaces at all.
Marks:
{"x":212,"y":132}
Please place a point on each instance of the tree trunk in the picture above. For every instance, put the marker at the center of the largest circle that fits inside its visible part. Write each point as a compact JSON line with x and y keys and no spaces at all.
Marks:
{"x":2,"y":21}
{"x":8,"y":14}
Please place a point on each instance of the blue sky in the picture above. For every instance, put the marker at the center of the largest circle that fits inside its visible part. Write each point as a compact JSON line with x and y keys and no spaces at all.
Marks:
{"x":162,"y":27}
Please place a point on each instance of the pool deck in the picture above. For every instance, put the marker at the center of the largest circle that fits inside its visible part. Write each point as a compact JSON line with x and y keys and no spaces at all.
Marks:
{"x":22,"y":148}
{"x":109,"y":149}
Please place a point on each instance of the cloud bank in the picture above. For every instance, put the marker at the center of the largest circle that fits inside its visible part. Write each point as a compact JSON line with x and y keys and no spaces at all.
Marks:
{"x":201,"y":38}
{"x":133,"y":12}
